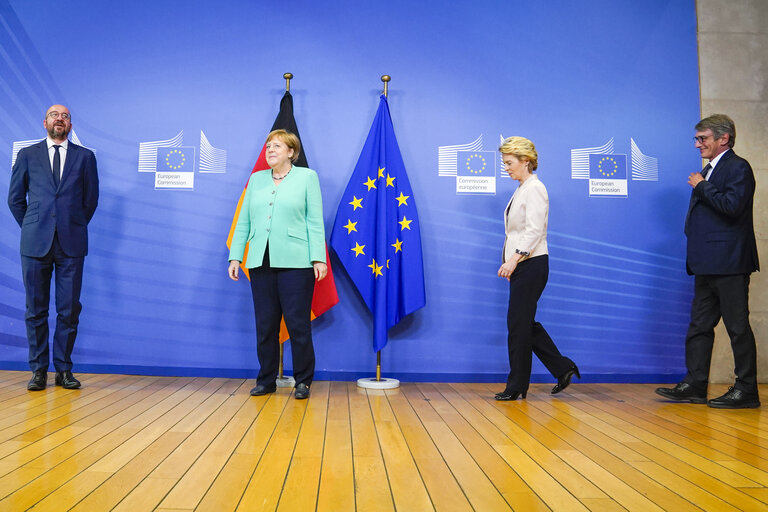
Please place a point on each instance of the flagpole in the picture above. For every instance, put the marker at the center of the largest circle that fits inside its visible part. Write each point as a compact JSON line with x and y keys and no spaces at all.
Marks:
{"x":380,"y":383}
{"x":282,"y":380}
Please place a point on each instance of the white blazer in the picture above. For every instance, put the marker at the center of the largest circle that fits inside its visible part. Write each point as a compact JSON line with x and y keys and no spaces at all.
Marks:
{"x":525,"y":220}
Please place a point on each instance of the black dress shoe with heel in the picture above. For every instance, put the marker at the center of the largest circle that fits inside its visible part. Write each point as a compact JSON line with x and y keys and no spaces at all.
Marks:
{"x":38,"y":381}
{"x":302,"y":392}
{"x":735,"y":399}
{"x":683,"y":392}
{"x":67,"y":380}
{"x":509,"y":395}
{"x":564,"y":380}
{"x":262,"y":389}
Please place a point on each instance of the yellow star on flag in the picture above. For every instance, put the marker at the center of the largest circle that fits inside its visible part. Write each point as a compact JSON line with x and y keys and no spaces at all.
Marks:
{"x":350,"y":226}
{"x":358,"y":249}
{"x":371,"y":183}
{"x":398,"y":245}
{"x":391,"y":181}
{"x":375,"y":268}
{"x":381,"y":172}
{"x":402,"y":200}
{"x":356,"y":203}
{"x":405,"y":223}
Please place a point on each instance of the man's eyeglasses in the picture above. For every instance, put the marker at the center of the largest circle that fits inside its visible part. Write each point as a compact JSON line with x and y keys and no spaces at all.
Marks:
{"x":701,"y":138}
{"x":55,"y":115}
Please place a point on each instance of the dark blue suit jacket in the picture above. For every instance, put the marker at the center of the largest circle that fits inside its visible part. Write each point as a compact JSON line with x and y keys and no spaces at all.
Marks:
{"x":41,"y":209}
{"x":721,"y":236}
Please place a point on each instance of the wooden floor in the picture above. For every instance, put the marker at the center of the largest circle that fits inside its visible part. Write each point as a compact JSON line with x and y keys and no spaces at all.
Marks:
{"x":161,"y":443}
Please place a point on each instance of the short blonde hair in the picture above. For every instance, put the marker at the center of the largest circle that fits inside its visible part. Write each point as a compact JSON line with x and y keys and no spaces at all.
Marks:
{"x":522,"y":149}
{"x":290,"y":140}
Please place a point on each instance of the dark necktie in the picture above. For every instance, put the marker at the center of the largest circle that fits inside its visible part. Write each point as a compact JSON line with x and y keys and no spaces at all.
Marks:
{"x":705,"y":172}
{"x":56,"y":166}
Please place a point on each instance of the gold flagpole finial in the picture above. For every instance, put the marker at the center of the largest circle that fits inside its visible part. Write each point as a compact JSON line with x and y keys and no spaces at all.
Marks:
{"x":287,"y":77}
{"x":385,"y":79}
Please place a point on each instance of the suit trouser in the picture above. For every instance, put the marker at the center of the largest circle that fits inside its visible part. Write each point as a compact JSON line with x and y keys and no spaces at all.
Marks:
{"x":283,"y":293}
{"x":37,"y":274}
{"x":725,"y":296}
{"x":526,"y":336}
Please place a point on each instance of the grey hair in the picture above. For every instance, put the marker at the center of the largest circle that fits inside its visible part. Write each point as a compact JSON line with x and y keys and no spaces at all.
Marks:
{"x":720,"y":124}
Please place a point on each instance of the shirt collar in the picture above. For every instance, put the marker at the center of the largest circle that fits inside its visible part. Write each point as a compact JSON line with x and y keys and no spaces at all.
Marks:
{"x":714,"y":161}
{"x":51,"y":143}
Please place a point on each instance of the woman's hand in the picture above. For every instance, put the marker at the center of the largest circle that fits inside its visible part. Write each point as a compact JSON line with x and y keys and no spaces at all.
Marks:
{"x":507,"y":268}
{"x":234,"y":270}
{"x":321,"y":270}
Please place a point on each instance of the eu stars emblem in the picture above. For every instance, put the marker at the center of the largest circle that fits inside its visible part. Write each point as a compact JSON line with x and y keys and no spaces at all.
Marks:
{"x":176,"y":159}
{"x":475,"y":163}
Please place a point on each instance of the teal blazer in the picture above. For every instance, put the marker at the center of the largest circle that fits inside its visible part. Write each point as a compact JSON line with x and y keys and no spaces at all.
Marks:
{"x":288,"y":216}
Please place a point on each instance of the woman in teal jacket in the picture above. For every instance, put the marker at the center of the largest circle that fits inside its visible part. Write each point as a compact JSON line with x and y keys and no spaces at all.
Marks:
{"x":281,"y":225}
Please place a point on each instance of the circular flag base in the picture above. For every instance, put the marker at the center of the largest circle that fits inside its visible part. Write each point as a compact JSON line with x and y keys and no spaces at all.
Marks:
{"x":285,"y":382}
{"x":372,"y":383}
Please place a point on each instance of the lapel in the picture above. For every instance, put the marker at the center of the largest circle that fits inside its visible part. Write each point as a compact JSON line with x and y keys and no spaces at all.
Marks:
{"x":715,"y":177}
{"x":44,"y":160}
{"x":68,"y":163}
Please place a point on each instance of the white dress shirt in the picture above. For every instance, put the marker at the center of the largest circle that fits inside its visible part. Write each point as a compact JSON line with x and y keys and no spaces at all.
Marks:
{"x":62,"y":153}
{"x":713,"y":163}
{"x":525,"y":220}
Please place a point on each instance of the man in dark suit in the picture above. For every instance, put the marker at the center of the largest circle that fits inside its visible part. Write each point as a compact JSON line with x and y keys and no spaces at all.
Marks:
{"x":53,"y":194}
{"x":722,"y":253}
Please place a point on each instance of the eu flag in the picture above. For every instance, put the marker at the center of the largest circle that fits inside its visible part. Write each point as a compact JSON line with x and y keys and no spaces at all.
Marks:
{"x":176,"y":159}
{"x":607,"y":167}
{"x":376,"y":232}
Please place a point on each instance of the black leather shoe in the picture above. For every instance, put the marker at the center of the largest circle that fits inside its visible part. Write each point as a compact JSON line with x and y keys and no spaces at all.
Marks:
{"x":683,"y":392}
{"x":302,"y":391}
{"x":67,"y":380}
{"x":38,"y":381}
{"x":508,"y":395}
{"x":261,"y":389}
{"x":735,"y":399}
{"x":564,"y":380}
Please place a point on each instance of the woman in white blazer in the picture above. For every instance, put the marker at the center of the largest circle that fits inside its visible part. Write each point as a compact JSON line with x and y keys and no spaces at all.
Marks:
{"x":526,"y":267}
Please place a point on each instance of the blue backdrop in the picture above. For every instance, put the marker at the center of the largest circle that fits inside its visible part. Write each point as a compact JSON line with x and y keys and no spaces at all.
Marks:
{"x":618,"y":77}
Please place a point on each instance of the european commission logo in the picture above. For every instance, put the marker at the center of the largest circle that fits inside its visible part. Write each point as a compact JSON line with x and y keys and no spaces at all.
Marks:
{"x":473,"y":168}
{"x":174,"y":164}
{"x":608,"y":175}
{"x":607,"y":171}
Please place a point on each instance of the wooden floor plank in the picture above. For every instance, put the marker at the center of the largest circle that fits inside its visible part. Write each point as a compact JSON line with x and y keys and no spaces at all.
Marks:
{"x":266,"y":483}
{"x":446,"y":490}
{"x":135,"y":443}
{"x":337,"y":473}
{"x":372,"y":488}
{"x":303,"y":479}
{"x":604,"y":451}
{"x":67,"y":463}
{"x":405,"y":481}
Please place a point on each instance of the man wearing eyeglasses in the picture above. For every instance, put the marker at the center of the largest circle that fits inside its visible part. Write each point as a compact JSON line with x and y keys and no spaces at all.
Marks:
{"x":722,"y":253}
{"x":53,"y":194}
